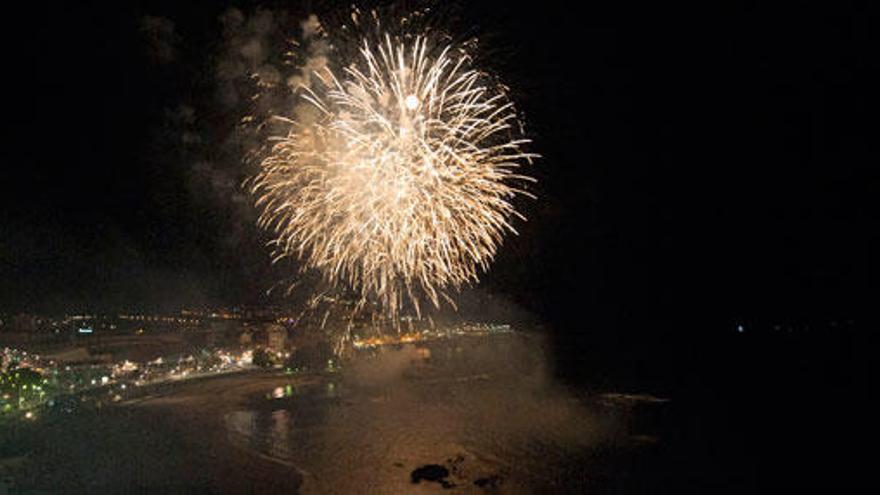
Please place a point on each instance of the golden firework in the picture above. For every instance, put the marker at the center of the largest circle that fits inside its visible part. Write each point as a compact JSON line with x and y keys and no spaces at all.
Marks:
{"x":401,"y":188}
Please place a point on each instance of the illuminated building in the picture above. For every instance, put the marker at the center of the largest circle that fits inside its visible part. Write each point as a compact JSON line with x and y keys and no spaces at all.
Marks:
{"x":276,"y":337}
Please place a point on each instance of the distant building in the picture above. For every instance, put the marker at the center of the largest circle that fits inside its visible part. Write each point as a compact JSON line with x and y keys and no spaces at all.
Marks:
{"x":276,"y":337}
{"x":246,"y":338}
{"x":222,"y":331}
{"x":25,"y":323}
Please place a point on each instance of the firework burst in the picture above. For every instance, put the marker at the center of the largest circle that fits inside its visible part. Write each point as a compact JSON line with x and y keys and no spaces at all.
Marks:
{"x":401,"y":189}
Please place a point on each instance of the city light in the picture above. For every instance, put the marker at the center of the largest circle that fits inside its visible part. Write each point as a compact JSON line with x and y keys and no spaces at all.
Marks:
{"x":29,"y":382}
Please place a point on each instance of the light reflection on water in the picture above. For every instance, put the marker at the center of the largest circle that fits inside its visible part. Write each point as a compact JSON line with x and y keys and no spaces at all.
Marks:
{"x":483,"y":407}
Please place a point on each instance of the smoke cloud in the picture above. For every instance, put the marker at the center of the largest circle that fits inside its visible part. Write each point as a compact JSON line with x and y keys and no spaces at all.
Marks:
{"x":161,"y":39}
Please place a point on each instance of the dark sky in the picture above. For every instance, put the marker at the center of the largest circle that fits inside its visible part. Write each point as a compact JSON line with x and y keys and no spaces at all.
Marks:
{"x":700,"y":164}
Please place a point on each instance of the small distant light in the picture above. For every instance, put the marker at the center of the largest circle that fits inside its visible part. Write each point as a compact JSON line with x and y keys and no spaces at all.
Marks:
{"x":29,"y":415}
{"x":740,"y":329}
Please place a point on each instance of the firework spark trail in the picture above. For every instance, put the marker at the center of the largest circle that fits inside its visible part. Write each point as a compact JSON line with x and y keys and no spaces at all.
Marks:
{"x":402,"y":187}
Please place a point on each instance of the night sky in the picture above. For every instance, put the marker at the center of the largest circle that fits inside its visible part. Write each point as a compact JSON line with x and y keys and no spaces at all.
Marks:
{"x":701,"y":165}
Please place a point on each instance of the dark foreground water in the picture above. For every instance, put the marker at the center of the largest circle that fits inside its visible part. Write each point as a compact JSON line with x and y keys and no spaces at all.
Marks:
{"x":482,"y":408}
{"x":467,"y":415}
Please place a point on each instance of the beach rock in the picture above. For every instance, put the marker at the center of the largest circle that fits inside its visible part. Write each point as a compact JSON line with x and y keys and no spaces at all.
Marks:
{"x":488,"y":482}
{"x":430,"y":472}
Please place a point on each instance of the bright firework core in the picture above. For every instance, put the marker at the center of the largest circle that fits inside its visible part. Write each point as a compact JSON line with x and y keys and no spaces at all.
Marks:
{"x":412,"y":102}
{"x":401,"y":189}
